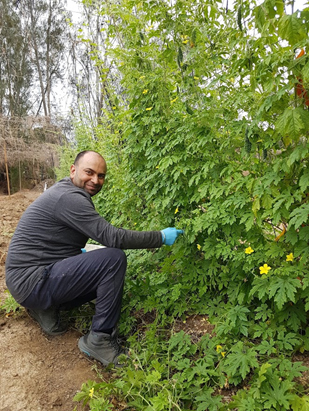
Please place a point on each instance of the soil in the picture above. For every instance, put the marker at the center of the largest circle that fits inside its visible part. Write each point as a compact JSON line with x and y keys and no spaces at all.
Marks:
{"x":38,"y":372}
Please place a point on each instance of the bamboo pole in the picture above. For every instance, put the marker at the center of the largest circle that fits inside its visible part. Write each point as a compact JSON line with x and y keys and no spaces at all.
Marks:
{"x":7,"y":169}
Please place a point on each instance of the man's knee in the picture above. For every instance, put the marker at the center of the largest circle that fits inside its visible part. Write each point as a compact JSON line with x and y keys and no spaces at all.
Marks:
{"x":119,"y":256}
{"x":115,"y":256}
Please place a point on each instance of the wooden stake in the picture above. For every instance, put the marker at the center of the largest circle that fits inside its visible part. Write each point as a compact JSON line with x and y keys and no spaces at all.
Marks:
{"x":7,"y":169}
{"x":19,"y":172}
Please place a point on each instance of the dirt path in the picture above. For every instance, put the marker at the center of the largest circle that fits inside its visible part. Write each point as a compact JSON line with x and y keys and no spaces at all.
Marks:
{"x":37,"y":372}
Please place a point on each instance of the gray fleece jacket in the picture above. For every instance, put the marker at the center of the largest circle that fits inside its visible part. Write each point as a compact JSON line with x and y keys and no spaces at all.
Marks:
{"x":56,"y":226}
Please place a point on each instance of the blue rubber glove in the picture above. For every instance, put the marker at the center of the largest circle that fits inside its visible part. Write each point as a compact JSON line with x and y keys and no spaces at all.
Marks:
{"x":169,"y":235}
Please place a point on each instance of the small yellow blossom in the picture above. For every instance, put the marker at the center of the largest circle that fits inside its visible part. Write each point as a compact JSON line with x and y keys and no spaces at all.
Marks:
{"x":185,"y":41}
{"x":290,"y":257}
{"x":219,"y":348}
{"x":148,"y":108}
{"x":199,"y":246}
{"x":173,"y":101}
{"x":91,"y":391}
{"x":264,"y":269}
{"x":249,"y":250}
{"x":176,"y":211}
{"x":223,"y":353}
{"x":157,"y":167}
{"x":196,"y":78}
{"x":145,"y":91}
{"x":114,"y":107}
{"x":141,"y":77}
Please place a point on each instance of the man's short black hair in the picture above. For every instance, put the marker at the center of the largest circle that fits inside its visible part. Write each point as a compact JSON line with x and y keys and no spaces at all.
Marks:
{"x":82,"y":153}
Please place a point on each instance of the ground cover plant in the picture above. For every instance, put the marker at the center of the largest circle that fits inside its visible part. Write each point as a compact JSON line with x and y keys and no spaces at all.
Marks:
{"x":209,"y":134}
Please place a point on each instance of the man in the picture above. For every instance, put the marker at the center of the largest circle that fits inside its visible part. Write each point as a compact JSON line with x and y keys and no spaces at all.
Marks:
{"x":46,"y":270}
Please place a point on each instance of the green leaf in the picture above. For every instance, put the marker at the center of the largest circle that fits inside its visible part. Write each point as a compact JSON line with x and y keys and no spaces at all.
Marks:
{"x":290,"y":123}
{"x":240,"y":361}
{"x":291,"y":28}
{"x":262,"y":371}
{"x":260,"y":287}
{"x":283,"y":289}
{"x":278,"y":394}
{"x":153,"y":377}
{"x":300,"y":403}
{"x":299,"y":216}
{"x":208,"y":402}
{"x":267,"y":347}
{"x":304,"y":180}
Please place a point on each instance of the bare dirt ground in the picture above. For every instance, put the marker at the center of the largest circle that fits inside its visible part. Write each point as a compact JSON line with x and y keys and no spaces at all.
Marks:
{"x":37,"y":372}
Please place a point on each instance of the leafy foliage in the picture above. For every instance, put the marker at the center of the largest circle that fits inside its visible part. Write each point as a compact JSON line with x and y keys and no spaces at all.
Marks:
{"x":9,"y":305}
{"x":209,"y":135}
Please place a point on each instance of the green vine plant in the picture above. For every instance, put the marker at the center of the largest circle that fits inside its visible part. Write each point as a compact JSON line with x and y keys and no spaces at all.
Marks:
{"x":210,"y":135}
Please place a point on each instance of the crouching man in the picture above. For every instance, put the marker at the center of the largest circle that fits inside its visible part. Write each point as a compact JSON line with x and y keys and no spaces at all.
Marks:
{"x":46,"y":270}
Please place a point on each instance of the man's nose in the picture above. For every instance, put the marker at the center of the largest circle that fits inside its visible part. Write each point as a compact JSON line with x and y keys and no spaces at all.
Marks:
{"x":95,"y":179}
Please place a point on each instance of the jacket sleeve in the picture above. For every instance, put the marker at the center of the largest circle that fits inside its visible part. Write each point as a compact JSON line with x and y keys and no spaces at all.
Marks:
{"x":76,"y":210}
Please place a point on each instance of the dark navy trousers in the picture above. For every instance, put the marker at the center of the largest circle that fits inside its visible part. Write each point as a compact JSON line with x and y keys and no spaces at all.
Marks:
{"x":71,"y":282}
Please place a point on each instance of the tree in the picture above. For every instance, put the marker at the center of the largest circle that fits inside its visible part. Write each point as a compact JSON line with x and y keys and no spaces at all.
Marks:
{"x":15,"y":65}
{"x":45,"y":26}
{"x":94,"y":76}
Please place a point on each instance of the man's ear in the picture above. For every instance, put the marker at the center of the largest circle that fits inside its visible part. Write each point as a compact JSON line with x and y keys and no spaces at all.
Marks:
{"x":72,"y":171}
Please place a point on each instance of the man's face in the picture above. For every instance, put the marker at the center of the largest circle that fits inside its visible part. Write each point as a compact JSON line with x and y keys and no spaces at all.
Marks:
{"x":89,"y":173}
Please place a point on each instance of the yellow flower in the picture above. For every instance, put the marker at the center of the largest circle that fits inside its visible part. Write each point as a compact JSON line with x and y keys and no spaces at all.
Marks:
{"x":185,"y":41}
{"x":176,"y":211}
{"x":249,"y":250}
{"x":141,"y":77}
{"x":91,"y":391}
{"x":290,"y":257}
{"x":173,"y":101}
{"x":264,"y":269}
{"x":196,"y":78}
{"x":114,"y":107}
{"x":199,"y":246}
{"x":219,"y":348}
{"x":148,"y":108}
{"x":157,"y":167}
{"x":145,"y":91}
{"x":223,"y":353}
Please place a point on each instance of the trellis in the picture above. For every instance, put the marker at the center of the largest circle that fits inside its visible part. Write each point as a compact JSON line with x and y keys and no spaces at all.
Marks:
{"x":32,"y":140}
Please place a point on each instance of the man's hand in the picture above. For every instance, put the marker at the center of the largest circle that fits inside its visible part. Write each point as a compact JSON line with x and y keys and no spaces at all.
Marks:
{"x":170,"y":234}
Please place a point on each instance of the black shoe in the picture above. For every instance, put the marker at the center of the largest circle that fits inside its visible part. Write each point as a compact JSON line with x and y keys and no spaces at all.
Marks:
{"x":48,"y":320}
{"x":103,"y":347}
